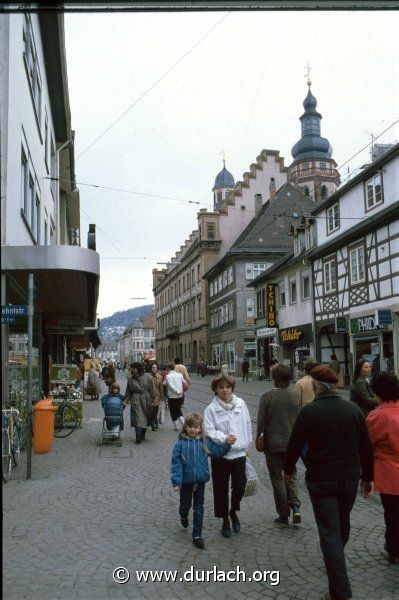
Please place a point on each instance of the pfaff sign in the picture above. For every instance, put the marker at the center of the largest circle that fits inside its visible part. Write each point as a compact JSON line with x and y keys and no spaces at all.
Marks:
{"x":364,"y":324}
{"x":271,"y":314}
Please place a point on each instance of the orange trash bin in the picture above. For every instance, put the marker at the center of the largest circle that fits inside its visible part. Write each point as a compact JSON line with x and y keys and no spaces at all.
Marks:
{"x":43,"y":425}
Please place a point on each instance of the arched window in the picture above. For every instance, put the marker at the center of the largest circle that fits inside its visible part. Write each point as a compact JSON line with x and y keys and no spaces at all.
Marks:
{"x":220,"y":195}
{"x":324,"y":192}
{"x":306,"y":191}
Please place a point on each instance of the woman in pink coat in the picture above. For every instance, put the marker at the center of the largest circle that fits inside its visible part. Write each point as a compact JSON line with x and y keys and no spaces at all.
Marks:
{"x":383,"y":426}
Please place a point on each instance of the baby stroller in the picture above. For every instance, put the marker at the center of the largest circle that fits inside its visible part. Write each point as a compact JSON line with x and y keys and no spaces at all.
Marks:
{"x":113,"y":421}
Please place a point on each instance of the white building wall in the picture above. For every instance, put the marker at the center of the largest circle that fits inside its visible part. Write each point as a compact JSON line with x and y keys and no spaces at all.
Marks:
{"x":22,"y":129}
{"x":352,"y":204}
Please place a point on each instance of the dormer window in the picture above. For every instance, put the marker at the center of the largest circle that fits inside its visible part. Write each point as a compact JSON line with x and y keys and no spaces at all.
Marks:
{"x":333,"y":221}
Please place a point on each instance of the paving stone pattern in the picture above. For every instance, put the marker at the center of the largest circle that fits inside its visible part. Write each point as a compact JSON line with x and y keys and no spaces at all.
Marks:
{"x":89,"y":509}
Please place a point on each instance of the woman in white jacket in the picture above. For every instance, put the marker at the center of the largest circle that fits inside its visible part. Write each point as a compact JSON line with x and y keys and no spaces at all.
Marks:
{"x":227,"y":419}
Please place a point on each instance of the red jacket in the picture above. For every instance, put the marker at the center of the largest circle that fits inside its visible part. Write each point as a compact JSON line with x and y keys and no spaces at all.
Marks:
{"x":383,"y":426}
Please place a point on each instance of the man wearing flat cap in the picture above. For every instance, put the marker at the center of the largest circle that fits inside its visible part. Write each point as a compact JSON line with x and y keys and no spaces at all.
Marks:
{"x":335,"y":432}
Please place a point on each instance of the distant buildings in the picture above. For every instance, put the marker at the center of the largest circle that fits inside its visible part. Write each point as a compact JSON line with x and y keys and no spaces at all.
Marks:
{"x":137,"y":342}
{"x":204,"y":301}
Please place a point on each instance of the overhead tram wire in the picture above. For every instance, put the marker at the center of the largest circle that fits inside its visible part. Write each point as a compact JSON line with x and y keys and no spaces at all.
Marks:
{"x":104,"y":187}
{"x":148,"y":90}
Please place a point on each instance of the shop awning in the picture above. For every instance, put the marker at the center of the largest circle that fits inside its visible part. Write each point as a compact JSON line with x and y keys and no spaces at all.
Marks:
{"x":66,"y":279}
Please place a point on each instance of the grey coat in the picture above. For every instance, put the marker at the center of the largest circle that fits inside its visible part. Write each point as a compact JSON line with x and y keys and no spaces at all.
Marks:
{"x":278,"y":409}
{"x":140,"y":395}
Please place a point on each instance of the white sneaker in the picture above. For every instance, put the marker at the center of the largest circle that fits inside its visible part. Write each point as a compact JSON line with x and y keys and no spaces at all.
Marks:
{"x":181,"y":420}
{"x":175,"y":425}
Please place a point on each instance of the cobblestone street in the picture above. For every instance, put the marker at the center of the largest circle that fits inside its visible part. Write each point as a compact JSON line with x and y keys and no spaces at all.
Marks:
{"x":89,"y":509}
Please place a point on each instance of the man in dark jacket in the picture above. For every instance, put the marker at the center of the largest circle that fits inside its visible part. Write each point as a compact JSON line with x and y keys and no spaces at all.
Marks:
{"x":335,"y":432}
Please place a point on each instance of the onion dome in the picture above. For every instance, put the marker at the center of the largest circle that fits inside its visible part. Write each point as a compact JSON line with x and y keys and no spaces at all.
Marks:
{"x":311,"y":144}
{"x":224,"y":179}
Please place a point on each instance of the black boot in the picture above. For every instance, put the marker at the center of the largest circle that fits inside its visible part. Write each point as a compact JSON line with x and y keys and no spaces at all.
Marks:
{"x":138,"y":440}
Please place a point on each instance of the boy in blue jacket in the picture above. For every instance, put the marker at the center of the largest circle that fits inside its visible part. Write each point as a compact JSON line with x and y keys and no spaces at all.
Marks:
{"x":190,"y":471}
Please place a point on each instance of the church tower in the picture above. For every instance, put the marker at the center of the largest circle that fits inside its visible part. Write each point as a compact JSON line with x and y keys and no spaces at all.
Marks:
{"x":313,"y":168}
{"x":224,"y":183}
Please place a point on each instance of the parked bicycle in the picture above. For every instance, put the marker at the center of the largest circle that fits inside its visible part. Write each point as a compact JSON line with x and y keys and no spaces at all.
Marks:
{"x":66,"y":417}
{"x":10,"y":440}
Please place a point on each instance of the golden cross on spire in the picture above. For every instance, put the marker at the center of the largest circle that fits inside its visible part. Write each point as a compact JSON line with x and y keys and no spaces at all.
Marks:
{"x":308,"y":69}
{"x":223,"y":153}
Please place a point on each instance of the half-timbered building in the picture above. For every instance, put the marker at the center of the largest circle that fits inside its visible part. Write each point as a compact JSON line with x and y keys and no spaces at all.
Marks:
{"x":356,"y":268}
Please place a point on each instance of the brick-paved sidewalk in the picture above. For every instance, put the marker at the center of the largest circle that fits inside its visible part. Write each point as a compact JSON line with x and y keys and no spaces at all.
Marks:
{"x":89,"y":509}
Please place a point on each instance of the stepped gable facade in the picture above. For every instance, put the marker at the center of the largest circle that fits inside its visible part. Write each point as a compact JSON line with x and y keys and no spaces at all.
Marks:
{"x":232,"y":299}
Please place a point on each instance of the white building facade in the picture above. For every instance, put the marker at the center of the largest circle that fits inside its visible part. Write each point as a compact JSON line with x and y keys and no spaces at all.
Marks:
{"x":356,"y":268}
{"x":40,"y":214}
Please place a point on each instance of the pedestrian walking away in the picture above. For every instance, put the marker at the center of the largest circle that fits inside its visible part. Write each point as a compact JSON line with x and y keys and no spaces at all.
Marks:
{"x":304,"y":386}
{"x":278,"y":409}
{"x":339,"y":453}
{"x":159,"y":394}
{"x":190,"y":471}
{"x":383,"y":427}
{"x":245,"y":369}
{"x":174,"y":391}
{"x":360,"y":391}
{"x":227,"y":419}
{"x":180,"y":368}
{"x":140,"y":395}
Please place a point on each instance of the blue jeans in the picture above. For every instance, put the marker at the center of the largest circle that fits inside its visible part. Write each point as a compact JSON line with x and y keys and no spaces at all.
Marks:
{"x":187,"y":495}
{"x":332,"y":504}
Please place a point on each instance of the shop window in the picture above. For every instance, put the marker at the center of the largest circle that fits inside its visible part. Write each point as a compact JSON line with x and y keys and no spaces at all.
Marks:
{"x":357,"y":265}
{"x":374,"y":192}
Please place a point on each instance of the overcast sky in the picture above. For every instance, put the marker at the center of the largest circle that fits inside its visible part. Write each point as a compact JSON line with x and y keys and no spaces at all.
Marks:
{"x":240,"y":89}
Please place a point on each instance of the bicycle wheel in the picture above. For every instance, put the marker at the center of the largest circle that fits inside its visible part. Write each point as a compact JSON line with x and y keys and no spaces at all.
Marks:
{"x":6,"y":465}
{"x":66,"y":421}
{"x":16,"y":445}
